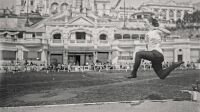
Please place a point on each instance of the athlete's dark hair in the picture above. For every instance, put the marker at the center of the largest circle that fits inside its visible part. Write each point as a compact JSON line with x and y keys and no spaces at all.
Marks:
{"x":154,"y":22}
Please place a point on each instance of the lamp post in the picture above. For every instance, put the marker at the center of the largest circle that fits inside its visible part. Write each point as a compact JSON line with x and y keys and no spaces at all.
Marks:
{"x":27,"y":22}
{"x":124,"y":15}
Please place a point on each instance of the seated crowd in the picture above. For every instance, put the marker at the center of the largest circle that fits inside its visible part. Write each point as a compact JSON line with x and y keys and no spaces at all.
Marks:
{"x":98,"y":66}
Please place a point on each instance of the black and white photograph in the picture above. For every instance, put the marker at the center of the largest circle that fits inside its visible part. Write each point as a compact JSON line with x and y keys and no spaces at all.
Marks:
{"x":99,"y":55}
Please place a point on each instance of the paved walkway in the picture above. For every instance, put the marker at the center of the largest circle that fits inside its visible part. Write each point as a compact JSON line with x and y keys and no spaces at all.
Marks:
{"x":129,"y":106}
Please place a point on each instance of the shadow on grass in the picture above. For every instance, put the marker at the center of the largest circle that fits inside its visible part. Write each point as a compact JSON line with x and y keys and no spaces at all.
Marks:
{"x":154,"y":96}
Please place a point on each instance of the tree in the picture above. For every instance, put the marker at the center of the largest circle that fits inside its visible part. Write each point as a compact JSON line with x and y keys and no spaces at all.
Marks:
{"x":187,"y":17}
{"x":179,"y":23}
{"x":196,"y":17}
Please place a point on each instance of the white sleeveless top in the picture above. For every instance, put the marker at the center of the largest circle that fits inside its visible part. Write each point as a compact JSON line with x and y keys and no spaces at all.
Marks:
{"x":153,"y":40}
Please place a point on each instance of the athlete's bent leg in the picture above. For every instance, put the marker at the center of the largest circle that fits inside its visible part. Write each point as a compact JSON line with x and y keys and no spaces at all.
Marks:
{"x":148,"y":55}
{"x":157,"y":67}
{"x":168,"y":70}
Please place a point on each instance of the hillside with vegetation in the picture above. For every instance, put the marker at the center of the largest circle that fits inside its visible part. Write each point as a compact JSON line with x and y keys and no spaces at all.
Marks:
{"x":189,"y":26}
{"x":187,"y":33}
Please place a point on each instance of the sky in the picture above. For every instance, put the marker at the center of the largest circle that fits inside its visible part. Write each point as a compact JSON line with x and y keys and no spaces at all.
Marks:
{"x":9,"y":3}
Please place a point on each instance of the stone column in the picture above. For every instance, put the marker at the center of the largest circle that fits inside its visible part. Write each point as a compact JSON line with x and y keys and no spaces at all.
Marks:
{"x":48,"y":57}
{"x":182,"y":14}
{"x":167,"y":14}
{"x":58,"y":8}
{"x":95,"y":38}
{"x":186,"y":54}
{"x":159,"y":13}
{"x":19,"y":54}
{"x":110,"y":56}
{"x":65,"y":57}
{"x":95,"y":57}
{"x":175,"y":15}
{"x":44,"y":57}
{"x":175,"y":55}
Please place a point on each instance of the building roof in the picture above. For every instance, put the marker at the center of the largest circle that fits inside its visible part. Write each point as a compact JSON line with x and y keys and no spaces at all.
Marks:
{"x":18,"y":24}
{"x":168,"y":3}
{"x":7,"y":12}
{"x":12,"y":24}
{"x":143,"y":13}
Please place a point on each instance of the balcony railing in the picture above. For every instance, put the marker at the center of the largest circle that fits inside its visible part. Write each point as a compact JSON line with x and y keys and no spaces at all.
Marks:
{"x":89,"y":41}
{"x":30,"y":41}
{"x":45,"y":41}
{"x":127,"y":42}
{"x":35,"y":40}
{"x":80,"y":41}
{"x":56,"y":41}
{"x":72,"y":41}
{"x":103,"y":41}
{"x":181,"y":40}
{"x":195,"y":39}
{"x":10,"y":40}
{"x":168,"y":40}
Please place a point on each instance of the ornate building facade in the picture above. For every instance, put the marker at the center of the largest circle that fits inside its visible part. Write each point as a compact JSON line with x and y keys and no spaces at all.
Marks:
{"x":19,"y":43}
{"x":169,"y":10}
{"x":52,"y":7}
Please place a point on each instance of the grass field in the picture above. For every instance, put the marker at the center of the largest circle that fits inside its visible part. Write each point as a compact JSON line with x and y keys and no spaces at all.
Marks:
{"x":39,"y":88}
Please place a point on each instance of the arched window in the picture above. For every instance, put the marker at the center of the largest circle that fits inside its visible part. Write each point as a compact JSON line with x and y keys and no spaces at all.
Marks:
{"x":103,"y":37}
{"x":126,"y":36}
{"x":139,"y":16}
{"x":135,"y":36}
{"x":57,"y":36}
{"x":63,"y":7}
{"x":142,"y":37}
{"x":54,"y":8}
{"x":80,"y":35}
{"x":117,"y":36}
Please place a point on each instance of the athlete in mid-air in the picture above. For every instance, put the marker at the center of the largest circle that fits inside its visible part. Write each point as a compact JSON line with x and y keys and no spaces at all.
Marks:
{"x":154,"y":52}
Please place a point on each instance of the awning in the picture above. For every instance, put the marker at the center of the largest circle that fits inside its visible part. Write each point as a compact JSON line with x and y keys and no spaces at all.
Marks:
{"x":13,"y":33}
{"x":56,"y":48}
{"x":88,"y":32}
{"x":144,"y":13}
{"x":32,"y":48}
{"x":2,"y":33}
{"x":35,"y":30}
{"x":7,"y":49}
{"x":83,"y":49}
{"x":104,"y":49}
{"x":9,"y":33}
